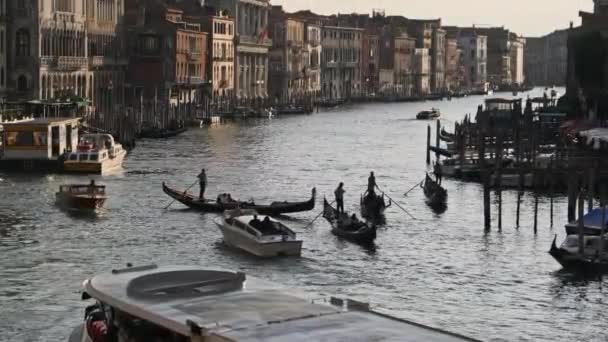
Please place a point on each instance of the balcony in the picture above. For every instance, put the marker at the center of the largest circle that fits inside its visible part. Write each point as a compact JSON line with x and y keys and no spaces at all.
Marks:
{"x":193,"y":55}
{"x":65,"y":17}
{"x":71,"y":63}
{"x":49,"y":62}
{"x":254,"y":40}
{"x":196,"y":80}
{"x":98,"y":61}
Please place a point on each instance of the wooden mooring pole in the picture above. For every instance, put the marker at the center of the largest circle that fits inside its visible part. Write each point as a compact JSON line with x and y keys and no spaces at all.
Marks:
{"x":437,"y":140}
{"x":428,"y":145}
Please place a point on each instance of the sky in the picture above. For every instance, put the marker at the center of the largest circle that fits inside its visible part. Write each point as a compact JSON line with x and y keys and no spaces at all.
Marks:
{"x":530,"y":18}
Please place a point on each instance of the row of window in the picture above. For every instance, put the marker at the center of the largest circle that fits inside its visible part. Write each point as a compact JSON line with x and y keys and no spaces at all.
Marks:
{"x":223,"y":28}
{"x":26,"y":139}
{"x":334,"y":34}
{"x":223,"y":50}
{"x":351,"y":55}
{"x":189,"y":70}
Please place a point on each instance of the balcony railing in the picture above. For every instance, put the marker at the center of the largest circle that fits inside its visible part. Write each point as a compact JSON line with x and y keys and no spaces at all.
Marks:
{"x":254,"y":40}
{"x":195,"y":80}
{"x":71,"y":63}
{"x":65,"y":16}
{"x":193,"y":54}
{"x":97,"y":61}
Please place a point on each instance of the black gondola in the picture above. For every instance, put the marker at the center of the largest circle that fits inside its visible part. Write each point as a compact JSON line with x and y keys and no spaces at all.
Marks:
{"x":373,"y":207}
{"x":292,"y":109}
{"x":436,"y":196}
{"x":359,"y":232}
{"x":445,"y":136}
{"x":577,"y":262}
{"x":225,"y":202}
{"x":157,"y":133}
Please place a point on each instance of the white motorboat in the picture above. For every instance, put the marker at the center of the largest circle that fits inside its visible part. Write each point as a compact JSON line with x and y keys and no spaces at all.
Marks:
{"x":191,"y":304}
{"x":259,"y":235}
{"x":96,"y":153}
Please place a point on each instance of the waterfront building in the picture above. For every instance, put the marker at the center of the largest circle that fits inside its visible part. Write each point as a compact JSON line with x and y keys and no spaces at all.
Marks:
{"x":473,"y":57}
{"x":66,"y":48}
{"x":289,"y":57}
{"x":315,"y":50}
{"x":167,"y":69}
{"x":516,"y":49}
{"x":221,"y":28}
{"x":341,"y":62}
{"x":252,"y":45}
{"x":585,"y":86}
{"x":546,"y":59}
{"x":454,"y":68}
{"x":422,"y":71}
{"x":429,"y":35}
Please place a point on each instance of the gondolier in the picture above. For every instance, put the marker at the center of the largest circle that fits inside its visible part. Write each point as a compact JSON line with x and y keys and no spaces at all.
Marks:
{"x":371,"y":183}
{"x":202,"y":181}
{"x":339,"y":193}
{"x":438,"y":172}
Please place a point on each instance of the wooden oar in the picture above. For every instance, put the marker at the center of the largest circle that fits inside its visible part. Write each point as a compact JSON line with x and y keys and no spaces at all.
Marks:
{"x":190,"y":187}
{"x":414,"y":187}
{"x":397,"y":204}
{"x":311,"y":222}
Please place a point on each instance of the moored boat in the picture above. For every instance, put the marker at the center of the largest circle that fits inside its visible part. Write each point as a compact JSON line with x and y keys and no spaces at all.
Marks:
{"x":225,"y":202}
{"x":343,"y":226}
{"x":293,"y":109}
{"x":261,"y":236}
{"x":194,"y":304}
{"x":428,"y":114}
{"x":373,"y":206}
{"x":95,"y":153}
{"x":593,"y":259}
{"x":81,"y":196}
{"x":161,"y":133}
{"x":436,"y":195}
{"x":592,"y":223}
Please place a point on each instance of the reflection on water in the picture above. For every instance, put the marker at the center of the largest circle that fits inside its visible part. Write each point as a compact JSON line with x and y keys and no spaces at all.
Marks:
{"x":438,"y":269}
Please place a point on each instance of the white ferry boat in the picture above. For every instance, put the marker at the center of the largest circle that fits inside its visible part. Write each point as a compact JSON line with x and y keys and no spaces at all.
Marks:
{"x":96,"y":153}
{"x":259,"y":235}
{"x":181,"y":304}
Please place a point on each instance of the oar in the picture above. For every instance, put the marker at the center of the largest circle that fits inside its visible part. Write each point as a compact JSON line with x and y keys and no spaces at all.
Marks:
{"x":311,"y":222}
{"x":397,"y":204}
{"x":414,"y":187}
{"x":190,"y":187}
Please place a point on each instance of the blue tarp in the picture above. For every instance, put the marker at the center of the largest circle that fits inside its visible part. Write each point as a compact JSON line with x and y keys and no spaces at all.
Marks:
{"x":593,"y":219}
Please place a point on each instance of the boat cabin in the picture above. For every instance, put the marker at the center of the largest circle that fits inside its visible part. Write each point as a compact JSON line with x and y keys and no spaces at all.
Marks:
{"x":181,"y":304}
{"x":262,"y":227}
{"x":501,"y":111}
{"x":94,"y":148}
{"x":41,"y":139}
{"x":83,"y":189}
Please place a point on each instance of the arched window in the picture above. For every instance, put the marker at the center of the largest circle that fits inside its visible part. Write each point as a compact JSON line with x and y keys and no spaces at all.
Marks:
{"x":23,"y":43}
{"x":22,"y":83}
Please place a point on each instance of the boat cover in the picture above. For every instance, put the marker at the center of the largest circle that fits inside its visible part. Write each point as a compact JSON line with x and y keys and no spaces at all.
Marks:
{"x":592,"y":221}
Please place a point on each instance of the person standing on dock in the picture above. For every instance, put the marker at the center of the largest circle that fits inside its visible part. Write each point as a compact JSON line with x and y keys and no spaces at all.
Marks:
{"x":371,"y":184}
{"x":339,"y":193}
{"x":202,"y":181}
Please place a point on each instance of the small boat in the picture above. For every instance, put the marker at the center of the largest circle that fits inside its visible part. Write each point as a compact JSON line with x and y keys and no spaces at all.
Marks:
{"x":293,"y":109}
{"x":194,"y":304}
{"x":428,"y":114}
{"x":435,"y":194}
{"x":447,"y":137}
{"x":225,"y":202}
{"x":81,"y":196}
{"x":373,"y":206}
{"x":95,"y":153}
{"x":593,"y":258}
{"x":592,"y":223}
{"x":363,"y":233}
{"x":162,"y":133}
{"x":262,"y":237}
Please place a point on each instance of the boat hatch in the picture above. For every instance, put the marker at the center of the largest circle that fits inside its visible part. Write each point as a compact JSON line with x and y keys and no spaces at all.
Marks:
{"x":184,"y":284}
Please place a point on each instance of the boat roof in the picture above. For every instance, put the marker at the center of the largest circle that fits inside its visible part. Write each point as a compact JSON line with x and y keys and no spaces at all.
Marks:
{"x":593,"y":220}
{"x":233,"y":307}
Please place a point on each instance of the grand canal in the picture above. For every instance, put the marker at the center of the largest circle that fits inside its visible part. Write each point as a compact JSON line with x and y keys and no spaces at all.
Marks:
{"x":437,"y":269}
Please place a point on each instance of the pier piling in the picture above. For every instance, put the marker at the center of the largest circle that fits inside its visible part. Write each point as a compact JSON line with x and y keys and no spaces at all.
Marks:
{"x":428,"y":145}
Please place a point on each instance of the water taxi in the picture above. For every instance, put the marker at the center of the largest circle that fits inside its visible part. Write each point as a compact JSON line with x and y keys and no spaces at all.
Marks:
{"x":96,"y":153}
{"x":193,"y":304}
{"x":81,"y":196}
{"x":261,"y":236}
{"x":428,"y":114}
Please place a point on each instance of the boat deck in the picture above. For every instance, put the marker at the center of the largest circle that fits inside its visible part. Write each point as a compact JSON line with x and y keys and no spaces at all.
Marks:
{"x":251,"y":311}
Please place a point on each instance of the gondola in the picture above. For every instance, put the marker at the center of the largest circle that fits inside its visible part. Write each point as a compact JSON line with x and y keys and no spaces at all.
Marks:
{"x":591,"y":261}
{"x":225,"y":202}
{"x":363,"y":233}
{"x":445,"y":136}
{"x":436,"y":196}
{"x":373,"y":207}
{"x":157,"y":133}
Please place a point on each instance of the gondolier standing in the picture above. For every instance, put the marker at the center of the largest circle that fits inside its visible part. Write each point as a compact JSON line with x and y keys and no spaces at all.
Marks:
{"x":202,"y":181}
{"x":339,"y":193}
{"x":371,"y":183}
{"x":438,"y":172}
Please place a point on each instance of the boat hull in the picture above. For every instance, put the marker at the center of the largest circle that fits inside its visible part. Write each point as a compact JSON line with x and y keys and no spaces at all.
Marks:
{"x":101,"y":167}
{"x":161,"y":134}
{"x":576,"y":262}
{"x":436,"y":196}
{"x":80,"y":202}
{"x":273,"y":209}
{"x":363,"y":236}
{"x":373,"y":208}
{"x":236,"y":238}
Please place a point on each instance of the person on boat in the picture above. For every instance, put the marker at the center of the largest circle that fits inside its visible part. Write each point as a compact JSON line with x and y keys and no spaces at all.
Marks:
{"x":371,"y":184}
{"x":202,"y":181}
{"x":255,"y":223}
{"x":438,"y":172}
{"x":339,"y":193}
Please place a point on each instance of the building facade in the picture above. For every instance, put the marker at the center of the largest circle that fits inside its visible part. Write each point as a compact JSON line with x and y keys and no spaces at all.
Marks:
{"x":315,"y":50}
{"x":516,"y":46}
{"x":474,"y":60}
{"x":438,"y":60}
{"x":453,"y":65}
{"x":341,"y":62}
{"x":422,"y":72}
{"x":221,"y":28}
{"x":404,"y":66}
{"x":370,"y":63}
{"x":546,"y":59}
{"x":65,"y":49}
{"x":252,"y":45}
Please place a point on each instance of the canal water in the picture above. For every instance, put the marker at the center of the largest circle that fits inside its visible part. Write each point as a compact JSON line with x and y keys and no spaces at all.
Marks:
{"x":436,"y":269}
